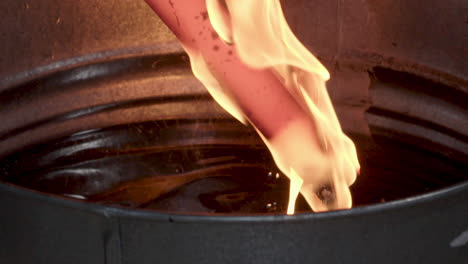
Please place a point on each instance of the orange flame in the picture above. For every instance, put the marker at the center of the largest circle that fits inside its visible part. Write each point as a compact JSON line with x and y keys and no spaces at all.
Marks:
{"x":259,"y":32}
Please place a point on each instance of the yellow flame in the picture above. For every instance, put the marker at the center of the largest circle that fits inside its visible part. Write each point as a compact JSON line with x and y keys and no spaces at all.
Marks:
{"x":262,"y":38}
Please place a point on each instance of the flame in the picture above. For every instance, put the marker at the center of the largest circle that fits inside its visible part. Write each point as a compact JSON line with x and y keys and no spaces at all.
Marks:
{"x":319,"y":159}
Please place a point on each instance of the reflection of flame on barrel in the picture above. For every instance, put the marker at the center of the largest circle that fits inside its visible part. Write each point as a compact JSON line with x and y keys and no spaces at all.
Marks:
{"x":244,"y":52}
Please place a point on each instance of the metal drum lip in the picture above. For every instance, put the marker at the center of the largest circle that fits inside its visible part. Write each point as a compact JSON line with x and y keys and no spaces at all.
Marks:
{"x":144,"y":214}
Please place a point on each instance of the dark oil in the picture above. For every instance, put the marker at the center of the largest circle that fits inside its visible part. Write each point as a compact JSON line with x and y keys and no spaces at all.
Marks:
{"x":208,"y":166}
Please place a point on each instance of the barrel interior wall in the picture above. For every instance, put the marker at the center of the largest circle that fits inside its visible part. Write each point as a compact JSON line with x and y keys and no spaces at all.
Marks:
{"x":45,"y":36}
{"x":426,"y":113}
{"x":394,"y":34}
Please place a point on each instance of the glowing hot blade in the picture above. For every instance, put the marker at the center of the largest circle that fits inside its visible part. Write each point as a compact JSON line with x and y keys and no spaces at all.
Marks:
{"x":246,"y":55}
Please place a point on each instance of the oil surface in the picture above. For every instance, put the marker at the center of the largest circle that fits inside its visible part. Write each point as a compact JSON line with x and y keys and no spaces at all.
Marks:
{"x":208,"y":166}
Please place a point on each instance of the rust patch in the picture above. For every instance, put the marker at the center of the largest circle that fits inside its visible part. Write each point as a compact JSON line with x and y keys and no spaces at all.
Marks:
{"x":204,"y":15}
